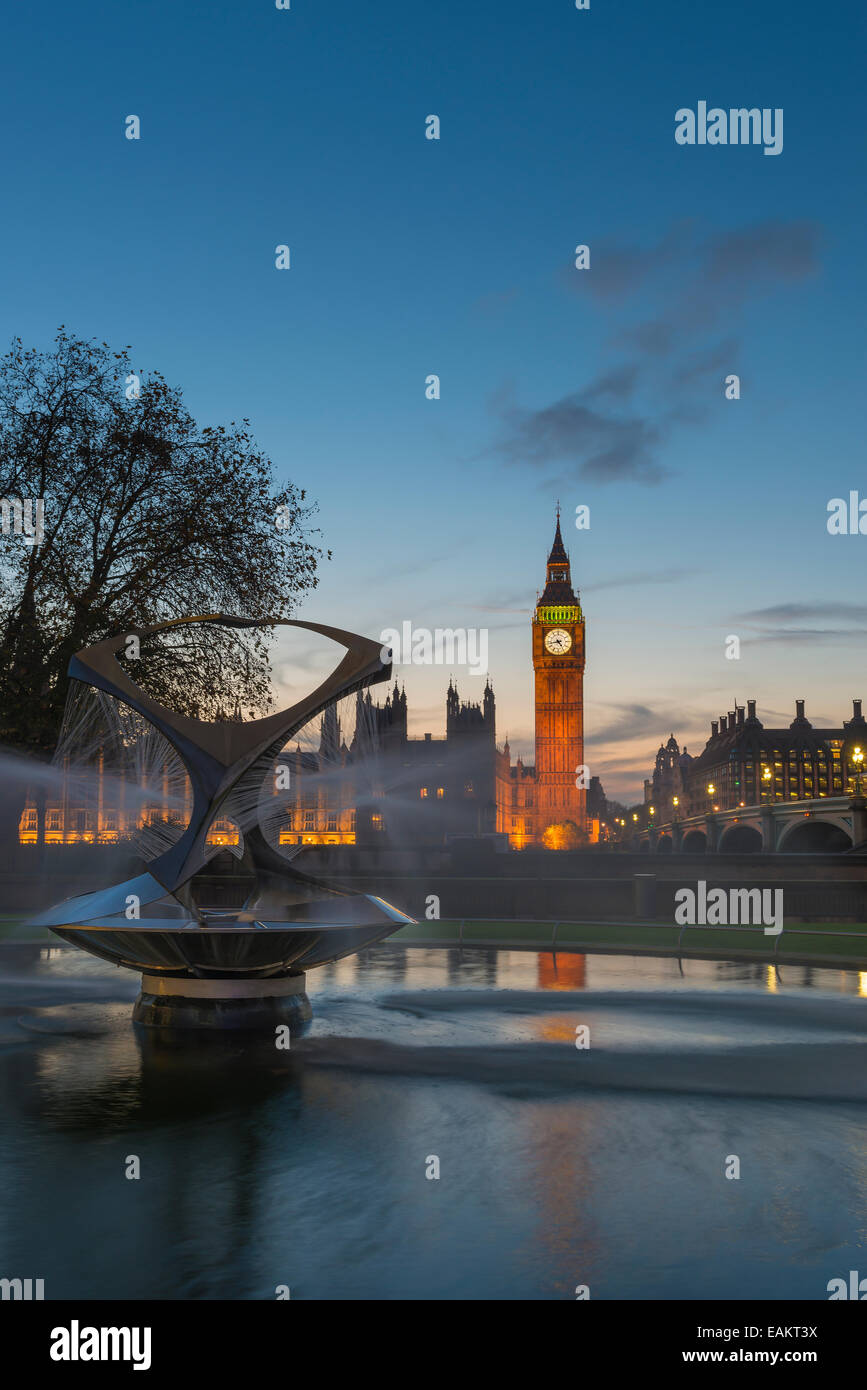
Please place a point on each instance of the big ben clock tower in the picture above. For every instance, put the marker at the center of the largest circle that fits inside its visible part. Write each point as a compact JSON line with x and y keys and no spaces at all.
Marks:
{"x":558,"y":661}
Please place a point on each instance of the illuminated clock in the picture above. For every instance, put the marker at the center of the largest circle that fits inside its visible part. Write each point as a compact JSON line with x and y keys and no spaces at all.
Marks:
{"x":557,"y":641}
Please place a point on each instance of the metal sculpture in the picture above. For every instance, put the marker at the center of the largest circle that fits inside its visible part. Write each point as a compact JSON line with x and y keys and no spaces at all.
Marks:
{"x":204,"y":963}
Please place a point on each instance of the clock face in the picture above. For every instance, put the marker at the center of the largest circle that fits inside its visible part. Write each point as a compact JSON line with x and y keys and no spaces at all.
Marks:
{"x":557,"y":641}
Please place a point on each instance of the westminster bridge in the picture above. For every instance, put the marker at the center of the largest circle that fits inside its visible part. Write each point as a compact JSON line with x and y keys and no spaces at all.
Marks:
{"x":822,"y":825}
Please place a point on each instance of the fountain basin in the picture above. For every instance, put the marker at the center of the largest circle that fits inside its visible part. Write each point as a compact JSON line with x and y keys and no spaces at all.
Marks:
{"x":172,"y":1002}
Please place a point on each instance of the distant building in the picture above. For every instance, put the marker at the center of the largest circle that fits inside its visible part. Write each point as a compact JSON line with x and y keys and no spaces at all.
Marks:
{"x":744,"y":763}
{"x":424,"y":790}
{"x":669,"y":781}
{"x":383,"y":786}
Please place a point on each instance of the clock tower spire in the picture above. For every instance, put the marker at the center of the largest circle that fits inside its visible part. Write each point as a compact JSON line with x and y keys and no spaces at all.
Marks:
{"x":559,"y":578}
{"x":558,"y":663}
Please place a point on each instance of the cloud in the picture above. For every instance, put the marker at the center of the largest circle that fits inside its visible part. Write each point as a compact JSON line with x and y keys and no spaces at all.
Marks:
{"x":815,"y":636}
{"x":617,"y":270}
{"x":634,"y":721}
{"x":625,"y":581}
{"x":618,"y":384}
{"x":696,"y":274}
{"x":768,"y":251}
{"x":601,"y":446}
{"x":653,"y":337}
{"x":798,"y":612}
{"x":799,"y":624}
{"x":708,"y":361}
{"x":513,"y":603}
{"x":614,"y":274}
{"x":611,"y":429}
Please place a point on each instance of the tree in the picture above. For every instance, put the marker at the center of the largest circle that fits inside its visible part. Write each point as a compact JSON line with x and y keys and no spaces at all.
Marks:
{"x":563,"y":835}
{"x":147,"y":516}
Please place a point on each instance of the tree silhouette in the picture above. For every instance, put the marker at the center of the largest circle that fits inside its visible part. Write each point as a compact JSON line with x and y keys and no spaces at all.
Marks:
{"x":147,"y":516}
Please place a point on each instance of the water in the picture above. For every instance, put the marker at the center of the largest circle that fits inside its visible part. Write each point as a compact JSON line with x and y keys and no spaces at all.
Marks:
{"x":558,"y":1166}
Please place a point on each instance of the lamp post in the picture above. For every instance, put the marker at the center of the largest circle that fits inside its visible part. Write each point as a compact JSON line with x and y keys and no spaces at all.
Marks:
{"x":675,"y":833}
{"x":858,"y":759}
{"x":711,"y":789}
{"x":767,"y":778}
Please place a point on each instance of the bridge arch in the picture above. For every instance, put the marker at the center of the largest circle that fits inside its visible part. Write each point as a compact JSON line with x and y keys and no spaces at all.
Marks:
{"x":810,"y":835}
{"x":694,"y":842}
{"x":663,"y":844}
{"x":739,"y":838}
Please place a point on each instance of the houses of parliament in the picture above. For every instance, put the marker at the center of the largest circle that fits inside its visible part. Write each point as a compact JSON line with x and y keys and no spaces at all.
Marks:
{"x":379,"y":786}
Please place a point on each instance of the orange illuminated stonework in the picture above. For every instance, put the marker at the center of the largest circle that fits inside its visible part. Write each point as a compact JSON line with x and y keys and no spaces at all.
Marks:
{"x":544,"y":805}
{"x":74,"y":825}
{"x":558,"y":661}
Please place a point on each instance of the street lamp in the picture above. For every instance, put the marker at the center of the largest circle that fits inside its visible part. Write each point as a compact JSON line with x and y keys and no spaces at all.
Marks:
{"x":767,"y":778}
{"x":858,"y":759}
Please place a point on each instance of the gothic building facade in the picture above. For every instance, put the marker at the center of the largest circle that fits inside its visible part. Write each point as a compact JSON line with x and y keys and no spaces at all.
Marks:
{"x":665,"y":790}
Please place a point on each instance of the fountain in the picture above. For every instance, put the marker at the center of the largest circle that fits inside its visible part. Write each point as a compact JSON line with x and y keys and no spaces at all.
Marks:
{"x":212,"y":958}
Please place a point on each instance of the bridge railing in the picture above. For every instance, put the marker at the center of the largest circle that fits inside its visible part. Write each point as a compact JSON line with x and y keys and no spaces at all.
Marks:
{"x":548,"y":937}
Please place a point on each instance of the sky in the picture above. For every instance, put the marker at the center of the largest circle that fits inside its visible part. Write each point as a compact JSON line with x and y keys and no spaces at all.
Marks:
{"x":602,"y":387}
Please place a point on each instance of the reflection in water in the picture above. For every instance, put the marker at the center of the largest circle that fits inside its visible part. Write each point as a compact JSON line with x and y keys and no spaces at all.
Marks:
{"x":559,"y":1166}
{"x":562,"y":971}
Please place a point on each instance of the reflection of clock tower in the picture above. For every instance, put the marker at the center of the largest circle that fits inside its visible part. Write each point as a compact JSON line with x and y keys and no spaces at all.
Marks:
{"x":558,"y":661}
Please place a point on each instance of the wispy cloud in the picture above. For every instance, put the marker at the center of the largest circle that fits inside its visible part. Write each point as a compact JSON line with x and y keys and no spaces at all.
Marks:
{"x":761,"y":254}
{"x":633,"y":721}
{"x":799,"y":624}
{"x":628,"y":581}
{"x":836,"y":609}
{"x":604,"y":447}
{"x":612,"y":428}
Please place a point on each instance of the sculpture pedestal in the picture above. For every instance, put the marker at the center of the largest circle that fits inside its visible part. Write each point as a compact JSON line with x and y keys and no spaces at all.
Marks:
{"x":254,"y":1005}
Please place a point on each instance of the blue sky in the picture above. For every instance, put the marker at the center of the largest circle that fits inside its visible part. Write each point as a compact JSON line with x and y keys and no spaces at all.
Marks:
{"x":409,"y":257}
